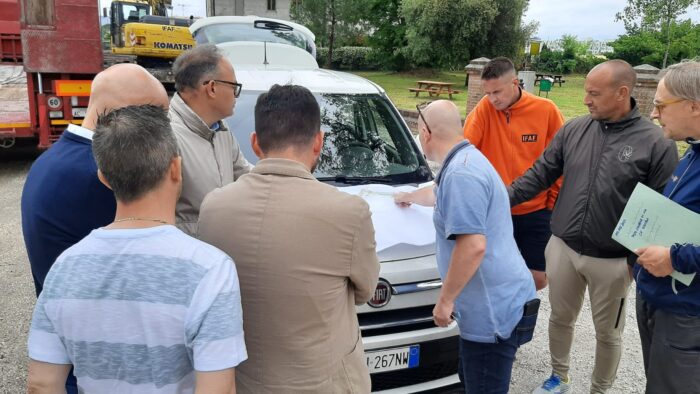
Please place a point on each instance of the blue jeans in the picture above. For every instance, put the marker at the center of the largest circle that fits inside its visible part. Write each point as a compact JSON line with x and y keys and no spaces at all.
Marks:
{"x":485,"y":368}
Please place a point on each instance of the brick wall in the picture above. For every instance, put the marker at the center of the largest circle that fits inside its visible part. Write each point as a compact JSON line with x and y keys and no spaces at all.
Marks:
{"x":644,"y":90}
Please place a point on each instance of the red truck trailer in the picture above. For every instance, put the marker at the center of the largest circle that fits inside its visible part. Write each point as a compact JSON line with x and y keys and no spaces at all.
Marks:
{"x":58,"y":44}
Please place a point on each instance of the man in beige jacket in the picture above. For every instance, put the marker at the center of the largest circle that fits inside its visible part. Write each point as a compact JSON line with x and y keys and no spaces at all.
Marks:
{"x":211,"y":157}
{"x":305,"y":256}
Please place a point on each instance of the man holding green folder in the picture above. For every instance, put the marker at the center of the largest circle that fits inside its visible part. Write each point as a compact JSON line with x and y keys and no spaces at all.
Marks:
{"x":668,"y":320}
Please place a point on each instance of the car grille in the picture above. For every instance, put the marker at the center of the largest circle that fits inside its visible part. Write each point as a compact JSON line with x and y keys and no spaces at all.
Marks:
{"x":395,"y":321}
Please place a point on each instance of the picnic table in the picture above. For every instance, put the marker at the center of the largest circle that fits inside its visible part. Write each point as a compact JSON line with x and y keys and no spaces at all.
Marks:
{"x":554,"y":77}
{"x":434,"y":88}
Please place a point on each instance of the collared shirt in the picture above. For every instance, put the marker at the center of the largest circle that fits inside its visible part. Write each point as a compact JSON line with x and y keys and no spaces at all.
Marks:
{"x":471,"y":199}
{"x":80,"y":131}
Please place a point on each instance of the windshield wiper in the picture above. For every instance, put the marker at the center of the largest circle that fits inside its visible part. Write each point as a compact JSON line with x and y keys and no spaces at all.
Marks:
{"x":356,"y":180}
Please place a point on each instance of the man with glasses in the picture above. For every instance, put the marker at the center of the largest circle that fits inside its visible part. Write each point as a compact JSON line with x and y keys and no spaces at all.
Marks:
{"x":602,"y":157}
{"x":669,"y":322}
{"x":211,"y":157}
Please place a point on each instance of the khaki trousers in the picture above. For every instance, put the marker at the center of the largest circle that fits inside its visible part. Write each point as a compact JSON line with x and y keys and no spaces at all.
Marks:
{"x":608,"y":280}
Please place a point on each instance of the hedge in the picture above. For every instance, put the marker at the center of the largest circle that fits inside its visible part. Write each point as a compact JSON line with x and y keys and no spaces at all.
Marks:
{"x":348,"y":58}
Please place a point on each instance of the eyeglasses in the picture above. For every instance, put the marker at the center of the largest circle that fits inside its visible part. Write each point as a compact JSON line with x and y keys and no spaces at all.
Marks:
{"x":236,"y":86}
{"x":660,"y":105}
{"x":418,"y":107}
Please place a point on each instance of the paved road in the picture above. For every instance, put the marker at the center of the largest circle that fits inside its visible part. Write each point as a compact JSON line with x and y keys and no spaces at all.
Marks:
{"x":17,"y":301}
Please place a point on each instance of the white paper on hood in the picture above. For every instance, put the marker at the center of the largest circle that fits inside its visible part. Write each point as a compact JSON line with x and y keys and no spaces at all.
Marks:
{"x":393,"y":224}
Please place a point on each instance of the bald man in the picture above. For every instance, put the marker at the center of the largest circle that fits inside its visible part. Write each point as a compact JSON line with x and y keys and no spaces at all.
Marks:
{"x":482,"y":271}
{"x":602,"y":157}
{"x":63,"y":200}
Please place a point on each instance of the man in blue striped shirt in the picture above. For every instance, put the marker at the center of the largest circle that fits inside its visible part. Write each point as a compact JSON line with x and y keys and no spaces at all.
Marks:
{"x":138,"y":306}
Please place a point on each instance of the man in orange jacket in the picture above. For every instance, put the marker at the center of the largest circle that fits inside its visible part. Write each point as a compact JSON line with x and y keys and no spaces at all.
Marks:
{"x":512,"y":127}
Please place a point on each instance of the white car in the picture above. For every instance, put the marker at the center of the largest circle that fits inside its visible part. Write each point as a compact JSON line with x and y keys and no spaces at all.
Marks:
{"x":220,"y":29}
{"x":367,"y":142}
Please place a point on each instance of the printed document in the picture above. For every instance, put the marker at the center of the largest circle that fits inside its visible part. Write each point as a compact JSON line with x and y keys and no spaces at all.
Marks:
{"x":650,"y":218}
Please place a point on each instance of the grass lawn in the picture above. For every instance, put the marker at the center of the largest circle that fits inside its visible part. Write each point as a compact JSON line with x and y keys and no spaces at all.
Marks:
{"x":569,"y":98}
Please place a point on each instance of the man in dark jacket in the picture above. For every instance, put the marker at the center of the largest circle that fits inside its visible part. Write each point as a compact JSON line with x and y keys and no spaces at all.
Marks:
{"x":669,"y":323}
{"x":602,"y":157}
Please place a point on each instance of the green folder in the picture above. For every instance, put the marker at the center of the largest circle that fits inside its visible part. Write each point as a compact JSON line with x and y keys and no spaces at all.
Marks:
{"x":650,"y":218}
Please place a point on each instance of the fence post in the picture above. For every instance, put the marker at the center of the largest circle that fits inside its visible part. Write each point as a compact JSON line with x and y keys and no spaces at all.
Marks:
{"x":475,"y":91}
{"x":644,"y":90}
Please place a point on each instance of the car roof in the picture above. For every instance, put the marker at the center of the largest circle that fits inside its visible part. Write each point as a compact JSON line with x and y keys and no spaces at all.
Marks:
{"x":289,"y":65}
{"x":247,"y":20}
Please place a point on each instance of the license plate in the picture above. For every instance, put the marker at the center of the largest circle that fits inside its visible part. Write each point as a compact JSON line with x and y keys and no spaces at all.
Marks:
{"x":79,"y":112}
{"x":393,"y":359}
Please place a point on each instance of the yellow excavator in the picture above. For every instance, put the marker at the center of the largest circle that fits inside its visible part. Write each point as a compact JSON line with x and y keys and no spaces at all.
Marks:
{"x":143,"y":29}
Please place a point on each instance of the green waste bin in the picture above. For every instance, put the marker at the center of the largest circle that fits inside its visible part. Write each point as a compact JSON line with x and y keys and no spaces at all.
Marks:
{"x":545,"y":86}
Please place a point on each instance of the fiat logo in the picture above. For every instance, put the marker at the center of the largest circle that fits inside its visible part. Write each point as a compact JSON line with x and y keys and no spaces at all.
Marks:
{"x":382,"y":294}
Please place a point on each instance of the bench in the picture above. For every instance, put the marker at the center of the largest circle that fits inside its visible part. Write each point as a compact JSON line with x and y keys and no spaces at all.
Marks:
{"x":434,"y":88}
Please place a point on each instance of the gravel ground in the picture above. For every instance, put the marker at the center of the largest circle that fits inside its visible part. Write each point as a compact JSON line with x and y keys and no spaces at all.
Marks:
{"x":17,"y":301}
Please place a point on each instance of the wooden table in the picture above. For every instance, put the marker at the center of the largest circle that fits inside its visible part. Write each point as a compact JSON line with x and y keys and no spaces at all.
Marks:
{"x":434,"y":88}
{"x":554,"y":77}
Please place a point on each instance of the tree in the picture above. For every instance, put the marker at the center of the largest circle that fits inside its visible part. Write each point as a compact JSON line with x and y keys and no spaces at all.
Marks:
{"x":641,"y":16}
{"x":447,"y":33}
{"x":388,"y":36}
{"x":330,"y":20}
{"x":507,"y":35}
{"x":648,"y":46}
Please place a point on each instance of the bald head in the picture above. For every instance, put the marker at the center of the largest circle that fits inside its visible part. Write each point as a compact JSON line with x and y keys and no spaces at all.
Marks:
{"x":442,"y":116}
{"x":617,"y":72}
{"x":123,"y":85}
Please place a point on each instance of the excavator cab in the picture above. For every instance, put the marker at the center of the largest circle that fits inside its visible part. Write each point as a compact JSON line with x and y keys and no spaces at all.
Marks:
{"x":143,"y":29}
{"x":123,"y":12}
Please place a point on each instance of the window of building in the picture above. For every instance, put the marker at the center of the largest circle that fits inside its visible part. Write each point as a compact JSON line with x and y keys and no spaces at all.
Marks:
{"x":271,"y":6}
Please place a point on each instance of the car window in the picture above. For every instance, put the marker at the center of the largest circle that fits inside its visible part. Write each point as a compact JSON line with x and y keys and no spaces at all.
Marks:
{"x":364,"y":137}
{"x":228,"y":32}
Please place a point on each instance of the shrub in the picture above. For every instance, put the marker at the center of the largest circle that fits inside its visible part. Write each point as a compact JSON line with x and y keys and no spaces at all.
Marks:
{"x":349,"y":58}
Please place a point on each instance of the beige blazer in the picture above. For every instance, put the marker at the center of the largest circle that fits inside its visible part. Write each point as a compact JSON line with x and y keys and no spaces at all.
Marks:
{"x":305,"y":256}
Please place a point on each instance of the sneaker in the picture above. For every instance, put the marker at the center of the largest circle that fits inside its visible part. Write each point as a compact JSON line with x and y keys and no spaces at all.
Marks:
{"x":555,"y":384}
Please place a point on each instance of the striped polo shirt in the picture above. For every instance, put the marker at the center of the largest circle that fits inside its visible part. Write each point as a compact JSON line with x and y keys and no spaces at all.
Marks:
{"x":138,"y":311}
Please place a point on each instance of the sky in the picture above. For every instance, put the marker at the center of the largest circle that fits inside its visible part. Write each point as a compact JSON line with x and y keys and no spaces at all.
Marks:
{"x":585,"y":19}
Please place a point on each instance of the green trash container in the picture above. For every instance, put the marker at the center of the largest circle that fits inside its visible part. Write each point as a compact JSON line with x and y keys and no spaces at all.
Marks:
{"x":545,"y":86}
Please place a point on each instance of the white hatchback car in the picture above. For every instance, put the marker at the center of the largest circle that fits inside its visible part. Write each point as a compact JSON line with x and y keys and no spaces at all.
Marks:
{"x":367,"y":142}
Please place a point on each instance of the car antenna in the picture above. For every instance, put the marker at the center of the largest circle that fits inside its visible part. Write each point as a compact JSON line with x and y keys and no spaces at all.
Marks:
{"x":265,"y":62}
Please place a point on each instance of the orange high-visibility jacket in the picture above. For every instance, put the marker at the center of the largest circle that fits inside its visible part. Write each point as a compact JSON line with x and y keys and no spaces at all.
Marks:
{"x":513,"y":139}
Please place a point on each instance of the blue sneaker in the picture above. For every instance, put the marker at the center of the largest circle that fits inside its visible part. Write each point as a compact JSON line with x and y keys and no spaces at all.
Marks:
{"x":554,"y":385}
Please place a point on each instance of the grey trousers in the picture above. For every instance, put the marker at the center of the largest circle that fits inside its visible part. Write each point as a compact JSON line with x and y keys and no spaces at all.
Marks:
{"x":671,"y":350}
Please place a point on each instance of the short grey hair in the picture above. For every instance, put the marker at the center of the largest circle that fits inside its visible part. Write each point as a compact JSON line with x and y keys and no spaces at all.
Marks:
{"x":195,"y":65}
{"x":683,"y":80}
{"x":133,"y":147}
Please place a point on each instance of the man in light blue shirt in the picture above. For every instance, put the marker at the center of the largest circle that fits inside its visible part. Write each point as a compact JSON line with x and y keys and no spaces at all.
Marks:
{"x":487,"y":287}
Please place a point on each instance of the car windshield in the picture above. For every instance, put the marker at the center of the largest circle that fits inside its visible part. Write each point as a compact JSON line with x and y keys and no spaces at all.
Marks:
{"x":228,"y":32}
{"x":364,"y":141}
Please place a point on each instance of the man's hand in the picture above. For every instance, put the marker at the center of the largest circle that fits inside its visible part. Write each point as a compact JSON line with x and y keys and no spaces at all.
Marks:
{"x":423,"y":196}
{"x":656,"y":260}
{"x":442,"y":313}
{"x":403,"y":199}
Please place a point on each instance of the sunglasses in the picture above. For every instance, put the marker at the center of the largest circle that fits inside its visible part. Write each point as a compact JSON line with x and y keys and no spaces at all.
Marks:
{"x":418,"y":107}
{"x":236,"y":86}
